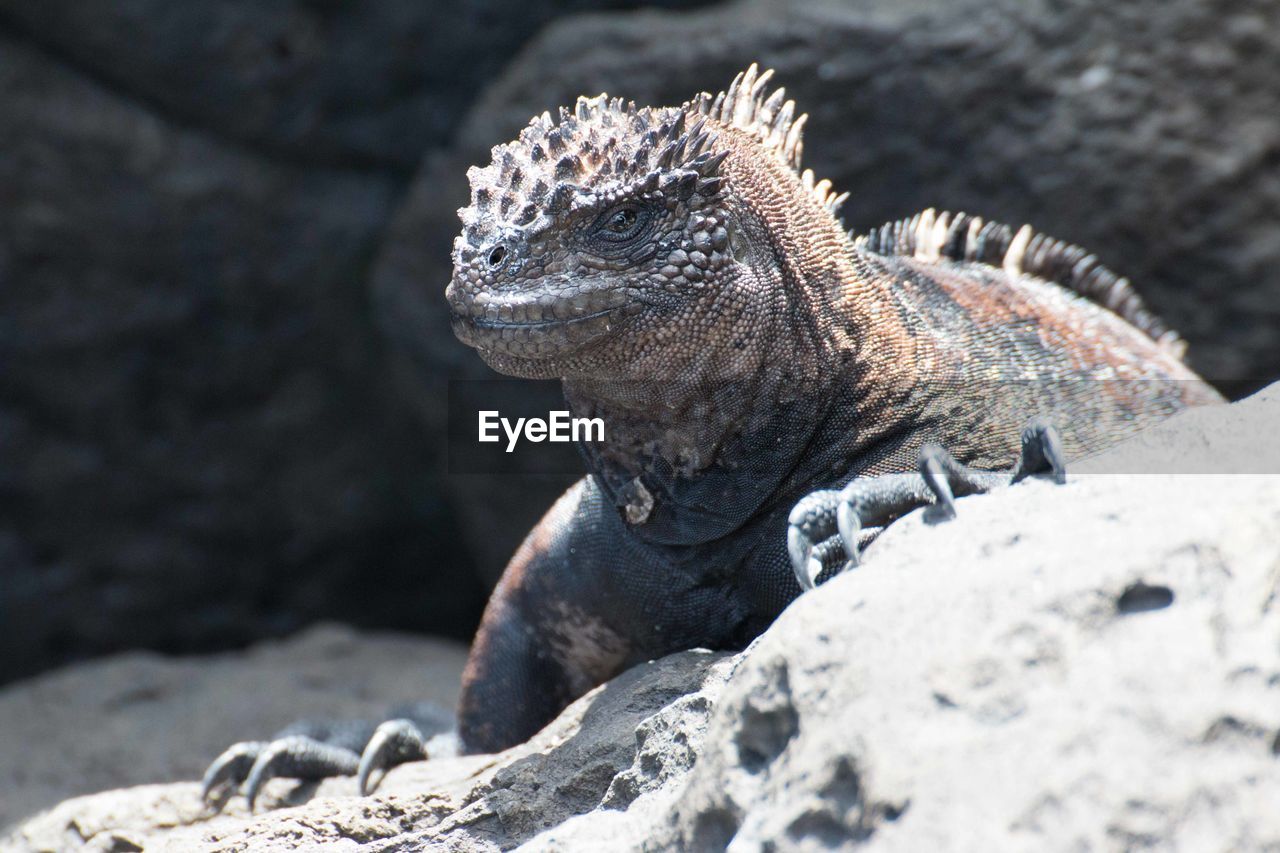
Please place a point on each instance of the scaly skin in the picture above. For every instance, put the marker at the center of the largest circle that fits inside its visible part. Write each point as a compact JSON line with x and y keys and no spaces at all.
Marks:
{"x":693,"y":287}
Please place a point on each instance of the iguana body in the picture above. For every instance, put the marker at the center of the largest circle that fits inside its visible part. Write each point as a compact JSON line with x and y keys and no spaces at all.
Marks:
{"x":786,"y":358}
{"x":694,"y":288}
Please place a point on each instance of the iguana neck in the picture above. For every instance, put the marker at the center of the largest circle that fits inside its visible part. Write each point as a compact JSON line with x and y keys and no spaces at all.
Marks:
{"x":733,"y":390}
{"x":742,"y":392}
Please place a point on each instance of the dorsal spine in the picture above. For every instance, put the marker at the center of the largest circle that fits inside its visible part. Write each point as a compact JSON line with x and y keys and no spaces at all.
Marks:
{"x":933,"y":236}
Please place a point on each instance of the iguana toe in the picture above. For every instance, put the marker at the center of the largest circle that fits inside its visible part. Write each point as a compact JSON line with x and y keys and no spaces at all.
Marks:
{"x":1041,"y":452}
{"x":298,"y":757}
{"x":394,"y":742}
{"x":230,"y":768}
{"x":811,"y":523}
{"x":825,"y":519}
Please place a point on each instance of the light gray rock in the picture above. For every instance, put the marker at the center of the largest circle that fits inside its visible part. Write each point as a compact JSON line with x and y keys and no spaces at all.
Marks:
{"x":485,"y":802}
{"x":141,"y":717}
{"x":1091,"y":666}
{"x":1096,"y":669}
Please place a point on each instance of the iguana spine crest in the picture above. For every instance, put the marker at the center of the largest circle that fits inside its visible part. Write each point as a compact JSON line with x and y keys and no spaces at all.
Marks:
{"x":933,"y":236}
{"x":773,"y":121}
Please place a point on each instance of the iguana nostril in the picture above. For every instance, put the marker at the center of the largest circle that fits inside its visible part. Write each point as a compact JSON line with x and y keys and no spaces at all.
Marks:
{"x":497,"y":255}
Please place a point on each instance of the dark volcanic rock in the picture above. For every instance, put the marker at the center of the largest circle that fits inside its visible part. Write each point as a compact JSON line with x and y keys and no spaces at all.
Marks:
{"x":408,"y":281}
{"x":197,"y":449}
{"x":318,"y":80}
{"x":203,"y":439}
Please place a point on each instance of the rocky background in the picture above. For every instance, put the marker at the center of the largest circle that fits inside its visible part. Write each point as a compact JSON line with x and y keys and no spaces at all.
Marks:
{"x":224,"y":234}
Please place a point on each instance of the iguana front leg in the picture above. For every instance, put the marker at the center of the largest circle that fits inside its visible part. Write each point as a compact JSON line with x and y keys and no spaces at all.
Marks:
{"x":825,"y":528}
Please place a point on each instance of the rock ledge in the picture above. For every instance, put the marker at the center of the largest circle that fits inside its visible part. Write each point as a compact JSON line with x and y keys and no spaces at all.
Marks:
{"x":1088,"y":666}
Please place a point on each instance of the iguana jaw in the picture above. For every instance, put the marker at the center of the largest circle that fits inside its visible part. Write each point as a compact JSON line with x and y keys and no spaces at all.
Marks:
{"x":537,"y":325}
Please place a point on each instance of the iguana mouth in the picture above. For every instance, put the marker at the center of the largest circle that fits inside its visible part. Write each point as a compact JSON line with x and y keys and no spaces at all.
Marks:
{"x":486,"y":323}
{"x":537,"y":326}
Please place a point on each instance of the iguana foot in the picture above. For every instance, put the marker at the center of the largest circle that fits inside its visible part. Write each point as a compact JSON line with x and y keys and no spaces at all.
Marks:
{"x":315,"y":751}
{"x":826,"y":527}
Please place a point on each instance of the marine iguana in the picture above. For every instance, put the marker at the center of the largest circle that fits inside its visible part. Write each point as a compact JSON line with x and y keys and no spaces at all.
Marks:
{"x":771,"y":388}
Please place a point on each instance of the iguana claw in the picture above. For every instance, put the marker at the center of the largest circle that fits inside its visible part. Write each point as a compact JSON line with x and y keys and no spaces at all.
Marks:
{"x":394,"y":742}
{"x":1041,"y":452}
{"x":316,"y":750}
{"x":827,"y":521}
{"x":231,"y":767}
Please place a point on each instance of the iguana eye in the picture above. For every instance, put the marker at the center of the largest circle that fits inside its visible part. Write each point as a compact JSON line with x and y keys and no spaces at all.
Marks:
{"x":738,"y":248}
{"x":621,"y":223}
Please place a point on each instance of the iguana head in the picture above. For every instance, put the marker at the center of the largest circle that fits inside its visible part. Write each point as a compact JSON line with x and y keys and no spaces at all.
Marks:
{"x":620,"y":240}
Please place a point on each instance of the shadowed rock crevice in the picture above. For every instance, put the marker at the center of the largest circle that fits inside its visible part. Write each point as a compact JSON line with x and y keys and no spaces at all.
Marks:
{"x":768,"y":724}
{"x":1141,"y":597}
{"x":713,"y":829}
{"x":200,"y":449}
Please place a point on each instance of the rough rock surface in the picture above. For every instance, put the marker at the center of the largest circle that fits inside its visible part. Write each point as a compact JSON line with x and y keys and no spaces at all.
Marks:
{"x":358,"y":84}
{"x":140,"y":717}
{"x":1093,"y":666}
